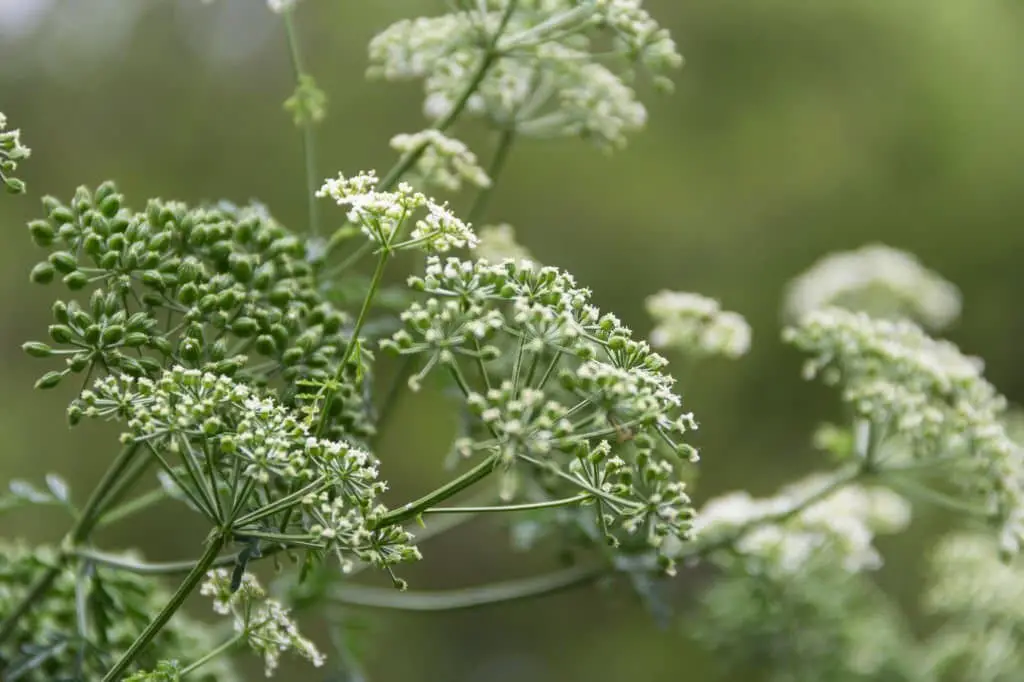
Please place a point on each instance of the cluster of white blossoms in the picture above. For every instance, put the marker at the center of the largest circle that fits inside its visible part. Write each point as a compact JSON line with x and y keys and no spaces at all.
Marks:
{"x":543,"y":68}
{"x":498,"y":242}
{"x":878,"y":280}
{"x":218,"y":439}
{"x":264,"y":623}
{"x":925,"y":396}
{"x":11,"y":152}
{"x":383,"y":215}
{"x":785,"y":533}
{"x":443,"y":161}
{"x":559,"y":394}
{"x":982,"y":598}
{"x":691,"y":323}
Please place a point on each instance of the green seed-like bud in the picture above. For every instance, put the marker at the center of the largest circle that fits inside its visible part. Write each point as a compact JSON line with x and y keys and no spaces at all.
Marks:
{"x":42,"y":232}
{"x":292,"y":356}
{"x":37,"y":349}
{"x":106,"y":188}
{"x":188,"y":293}
{"x":161,"y":344}
{"x":135,"y":339}
{"x":74,"y":414}
{"x":110,"y":205}
{"x":60,"y":311}
{"x":78,"y":363}
{"x":190,"y":350}
{"x":64,"y":262}
{"x":244,"y":327}
{"x":93,"y":245}
{"x":219,"y":350}
{"x":62,"y":214}
{"x":61,"y":333}
{"x":42,"y":273}
{"x":92,"y":334}
{"x":265,"y":344}
{"x":152,"y":278}
{"x":110,"y":259}
{"x":112,"y":335}
{"x":241,"y":266}
{"x":150,"y":365}
{"x":76,"y":280}
{"x":49,"y":380}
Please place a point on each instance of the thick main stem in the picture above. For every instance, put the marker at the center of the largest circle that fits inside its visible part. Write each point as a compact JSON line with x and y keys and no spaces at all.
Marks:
{"x":177,"y":599}
{"x":87,"y":520}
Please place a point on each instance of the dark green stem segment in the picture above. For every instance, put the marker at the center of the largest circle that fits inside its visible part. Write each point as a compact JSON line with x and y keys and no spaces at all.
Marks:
{"x":190,"y":583}
{"x":468,"y":598}
{"x":453,"y":487}
{"x":87,"y":520}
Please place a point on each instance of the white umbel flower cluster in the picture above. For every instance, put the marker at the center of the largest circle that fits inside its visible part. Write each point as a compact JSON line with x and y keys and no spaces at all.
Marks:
{"x":265,"y":624}
{"x":384,"y":215}
{"x":239,"y":439}
{"x":541,"y":67}
{"x":878,"y":280}
{"x":926,"y":397}
{"x":11,"y":152}
{"x":786,"y":533}
{"x":444,"y":161}
{"x":691,"y":323}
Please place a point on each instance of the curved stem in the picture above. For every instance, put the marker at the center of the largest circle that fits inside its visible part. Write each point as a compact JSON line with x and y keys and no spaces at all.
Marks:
{"x":133,"y":506}
{"x":177,"y":599}
{"x":456,"y":485}
{"x":84,"y":525}
{"x":471,"y":597}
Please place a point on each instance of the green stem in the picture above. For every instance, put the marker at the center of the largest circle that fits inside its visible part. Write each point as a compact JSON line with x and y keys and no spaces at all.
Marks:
{"x":167,"y":567}
{"x":213,"y":654}
{"x":467,"y":598}
{"x":177,"y":599}
{"x":79,"y":531}
{"x":308,"y":141}
{"x":285,"y":502}
{"x":378,"y":275}
{"x":133,"y":506}
{"x":456,"y":485}
{"x":548,"y":504}
{"x":498,"y":161}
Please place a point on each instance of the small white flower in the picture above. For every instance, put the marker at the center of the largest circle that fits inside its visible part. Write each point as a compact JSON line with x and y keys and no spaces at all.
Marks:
{"x":697,"y":324}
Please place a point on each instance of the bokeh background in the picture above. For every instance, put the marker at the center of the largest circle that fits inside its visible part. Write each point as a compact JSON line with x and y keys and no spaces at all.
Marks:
{"x":797,"y":128}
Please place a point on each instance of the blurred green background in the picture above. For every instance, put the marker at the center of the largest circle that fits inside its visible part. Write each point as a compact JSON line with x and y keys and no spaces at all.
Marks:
{"x":797,"y":128}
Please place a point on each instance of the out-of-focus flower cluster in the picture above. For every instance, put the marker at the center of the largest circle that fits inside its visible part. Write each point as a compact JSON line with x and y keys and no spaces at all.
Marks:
{"x":11,"y":152}
{"x":783,"y":534}
{"x":200,"y":287}
{"x":878,"y":280}
{"x":241,"y":456}
{"x":925,"y":396}
{"x":264,"y":623}
{"x":48,"y":643}
{"x":543,"y":68}
{"x":562,"y":396}
{"x":383,"y":215}
{"x":981,"y":596}
{"x":498,"y":243}
{"x":695,"y":324}
{"x":443,"y":161}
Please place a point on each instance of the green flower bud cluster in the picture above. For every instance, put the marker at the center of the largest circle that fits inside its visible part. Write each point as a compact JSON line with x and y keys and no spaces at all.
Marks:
{"x":226,"y":289}
{"x":247,"y":462}
{"x":562,"y":396}
{"x":11,"y":152}
{"x":50,"y":644}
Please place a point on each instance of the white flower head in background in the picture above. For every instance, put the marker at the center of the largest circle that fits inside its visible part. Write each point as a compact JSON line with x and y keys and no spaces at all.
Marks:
{"x":878,"y":280}
{"x":841,"y":526}
{"x":552,"y":68}
{"x":444,"y":161}
{"x":692,"y":323}
{"x":925,"y":396}
{"x":498,"y":243}
{"x":11,"y":152}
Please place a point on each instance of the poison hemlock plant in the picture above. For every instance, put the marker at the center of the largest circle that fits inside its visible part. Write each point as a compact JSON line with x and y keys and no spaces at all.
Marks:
{"x":238,"y":357}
